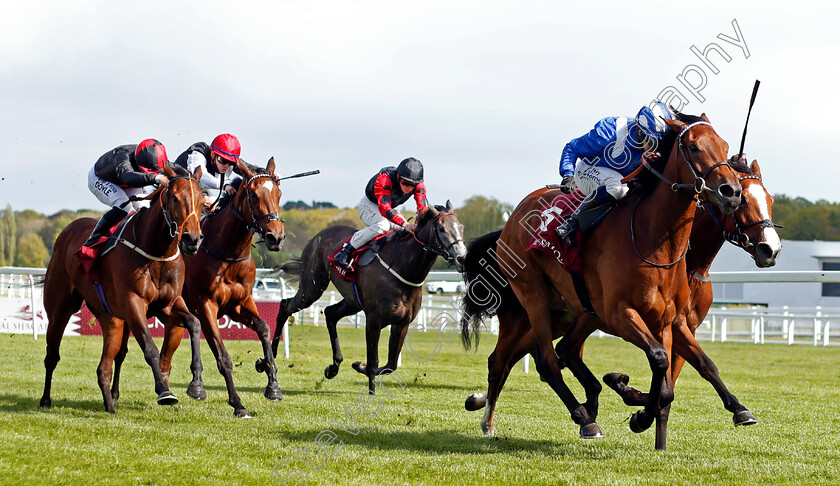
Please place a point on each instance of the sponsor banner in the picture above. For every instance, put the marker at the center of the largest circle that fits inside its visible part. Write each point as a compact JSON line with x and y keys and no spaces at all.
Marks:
{"x":229,"y":329}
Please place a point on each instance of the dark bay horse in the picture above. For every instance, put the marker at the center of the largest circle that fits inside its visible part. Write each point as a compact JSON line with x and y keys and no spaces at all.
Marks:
{"x":749,"y":227}
{"x":141,"y":278}
{"x":389,"y":291}
{"x":635,"y":274}
{"x":221,"y":276}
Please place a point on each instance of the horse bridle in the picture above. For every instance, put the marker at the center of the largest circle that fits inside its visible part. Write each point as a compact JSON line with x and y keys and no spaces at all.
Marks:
{"x":699,"y":184}
{"x":739,"y":237}
{"x":447,"y":252}
{"x":174,"y":229}
{"x":254,"y":225}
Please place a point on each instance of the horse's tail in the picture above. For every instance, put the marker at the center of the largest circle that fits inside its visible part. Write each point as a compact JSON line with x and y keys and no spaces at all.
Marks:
{"x":289,"y":270}
{"x":488,"y":291}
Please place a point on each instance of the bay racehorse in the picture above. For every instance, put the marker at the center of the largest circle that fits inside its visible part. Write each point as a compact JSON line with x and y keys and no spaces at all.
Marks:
{"x":634,"y":270}
{"x":749,"y":227}
{"x":140,"y":278}
{"x":388,"y":291}
{"x":221,"y":276}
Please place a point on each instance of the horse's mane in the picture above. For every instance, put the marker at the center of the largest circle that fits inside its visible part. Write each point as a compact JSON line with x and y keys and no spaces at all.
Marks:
{"x":646,"y":178}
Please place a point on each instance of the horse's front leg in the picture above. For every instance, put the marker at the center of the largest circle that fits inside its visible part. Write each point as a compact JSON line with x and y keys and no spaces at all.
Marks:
{"x":686,"y":345}
{"x":118,"y":361}
{"x":395,"y":344}
{"x":372,"y":330}
{"x":248,"y":314}
{"x":628,"y":324}
{"x":176,"y":318}
{"x":136,"y":320}
{"x":208,"y":314}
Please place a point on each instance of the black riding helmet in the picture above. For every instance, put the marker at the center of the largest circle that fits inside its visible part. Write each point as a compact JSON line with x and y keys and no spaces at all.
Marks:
{"x":411,"y":170}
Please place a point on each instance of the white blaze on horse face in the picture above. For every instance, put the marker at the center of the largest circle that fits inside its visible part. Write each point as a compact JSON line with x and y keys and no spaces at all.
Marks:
{"x":460,"y":247}
{"x":759,"y":194}
{"x":268,"y":185}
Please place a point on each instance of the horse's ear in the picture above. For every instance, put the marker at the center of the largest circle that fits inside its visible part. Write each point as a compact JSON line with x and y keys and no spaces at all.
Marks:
{"x":756,"y":170}
{"x":243,"y":170}
{"x":197,"y":174}
{"x":675,"y":125}
{"x":168,"y":172}
{"x":449,"y":206}
{"x":704,"y":118}
{"x":270,"y":166}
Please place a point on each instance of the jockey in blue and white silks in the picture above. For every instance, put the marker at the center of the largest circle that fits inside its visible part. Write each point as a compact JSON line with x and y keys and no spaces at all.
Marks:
{"x":596,"y":162}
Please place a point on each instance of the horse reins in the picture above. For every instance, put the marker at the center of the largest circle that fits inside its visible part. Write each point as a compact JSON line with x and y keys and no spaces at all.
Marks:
{"x":699,"y":184}
{"x":254,"y":225}
{"x":444,"y":253}
{"x":698,"y":187}
{"x":170,"y":223}
{"x":426,"y":247}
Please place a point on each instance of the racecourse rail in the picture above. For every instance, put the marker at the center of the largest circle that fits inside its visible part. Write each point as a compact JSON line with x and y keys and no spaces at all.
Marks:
{"x":754,"y":324}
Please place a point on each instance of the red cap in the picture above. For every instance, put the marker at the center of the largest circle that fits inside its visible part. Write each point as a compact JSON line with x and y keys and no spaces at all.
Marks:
{"x":226,"y":146}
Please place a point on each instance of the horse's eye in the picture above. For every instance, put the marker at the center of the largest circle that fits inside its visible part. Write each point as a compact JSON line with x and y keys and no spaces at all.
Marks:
{"x":693,"y":148}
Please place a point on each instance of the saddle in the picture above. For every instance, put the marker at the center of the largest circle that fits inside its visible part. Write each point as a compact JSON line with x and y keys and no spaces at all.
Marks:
{"x":90,"y":256}
{"x":362,"y":257}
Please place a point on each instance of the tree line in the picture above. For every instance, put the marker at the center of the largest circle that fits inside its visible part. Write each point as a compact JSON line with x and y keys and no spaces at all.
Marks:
{"x":27,"y":237}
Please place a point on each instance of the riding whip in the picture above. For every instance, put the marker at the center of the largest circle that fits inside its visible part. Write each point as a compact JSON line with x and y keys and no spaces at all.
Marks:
{"x":752,"y":101}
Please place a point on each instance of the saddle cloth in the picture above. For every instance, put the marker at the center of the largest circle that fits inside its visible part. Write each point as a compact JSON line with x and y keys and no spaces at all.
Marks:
{"x":360,"y":258}
{"x":89,"y":256}
{"x":544,"y":234}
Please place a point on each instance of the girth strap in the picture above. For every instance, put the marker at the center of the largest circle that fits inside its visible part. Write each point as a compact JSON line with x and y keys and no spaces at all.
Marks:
{"x":583,"y":293}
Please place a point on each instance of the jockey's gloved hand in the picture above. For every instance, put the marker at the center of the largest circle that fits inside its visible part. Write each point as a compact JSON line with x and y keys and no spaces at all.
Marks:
{"x":568,"y":184}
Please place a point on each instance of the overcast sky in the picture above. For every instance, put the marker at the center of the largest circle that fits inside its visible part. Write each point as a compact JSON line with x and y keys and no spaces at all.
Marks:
{"x":484,"y":93}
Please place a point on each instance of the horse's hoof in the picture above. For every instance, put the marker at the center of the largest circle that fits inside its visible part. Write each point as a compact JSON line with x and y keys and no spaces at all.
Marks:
{"x":744,"y":417}
{"x":591,"y":431}
{"x":273,"y":393}
{"x":115,"y":395}
{"x":474,"y":402}
{"x":487,"y":429}
{"x":637,"y":422}
{"x":196,"y":392}
{"x":360,"y":366}
{"x":167,"y":398}
{"x":260,"y":365}
{"x":614,"y":379}
{"x":242,"y":413}
{"x":332,"y":370}
{"x":46,"y":403}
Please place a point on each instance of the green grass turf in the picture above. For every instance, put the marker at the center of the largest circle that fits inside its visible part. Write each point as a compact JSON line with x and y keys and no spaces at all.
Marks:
{"x":420,"y":434}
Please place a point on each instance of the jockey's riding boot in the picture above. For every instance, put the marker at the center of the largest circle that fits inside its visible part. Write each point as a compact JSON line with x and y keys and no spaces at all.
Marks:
{"x":343,"y":257}
{"x":106,"y":222}
{"x":566,"y":230}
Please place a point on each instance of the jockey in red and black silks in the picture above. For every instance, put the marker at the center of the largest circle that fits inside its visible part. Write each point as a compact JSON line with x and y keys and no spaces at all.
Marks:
{"x":391,"y":187}
{"x":123,"y":172}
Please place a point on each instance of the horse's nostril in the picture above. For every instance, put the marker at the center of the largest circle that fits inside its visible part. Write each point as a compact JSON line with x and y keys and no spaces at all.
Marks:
{"x":764,"y":251}
{"x":727,"y":191}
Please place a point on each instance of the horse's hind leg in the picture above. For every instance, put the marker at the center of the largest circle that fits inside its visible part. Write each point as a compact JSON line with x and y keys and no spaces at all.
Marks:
{"x":59,"y":309}
{"x":118,"y":361}
{"x":249,"y":315}
{"x":515,"y":341}
{"x":332,"y":315}
{"x":570,"y":351}
{"x":312,"y":286}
